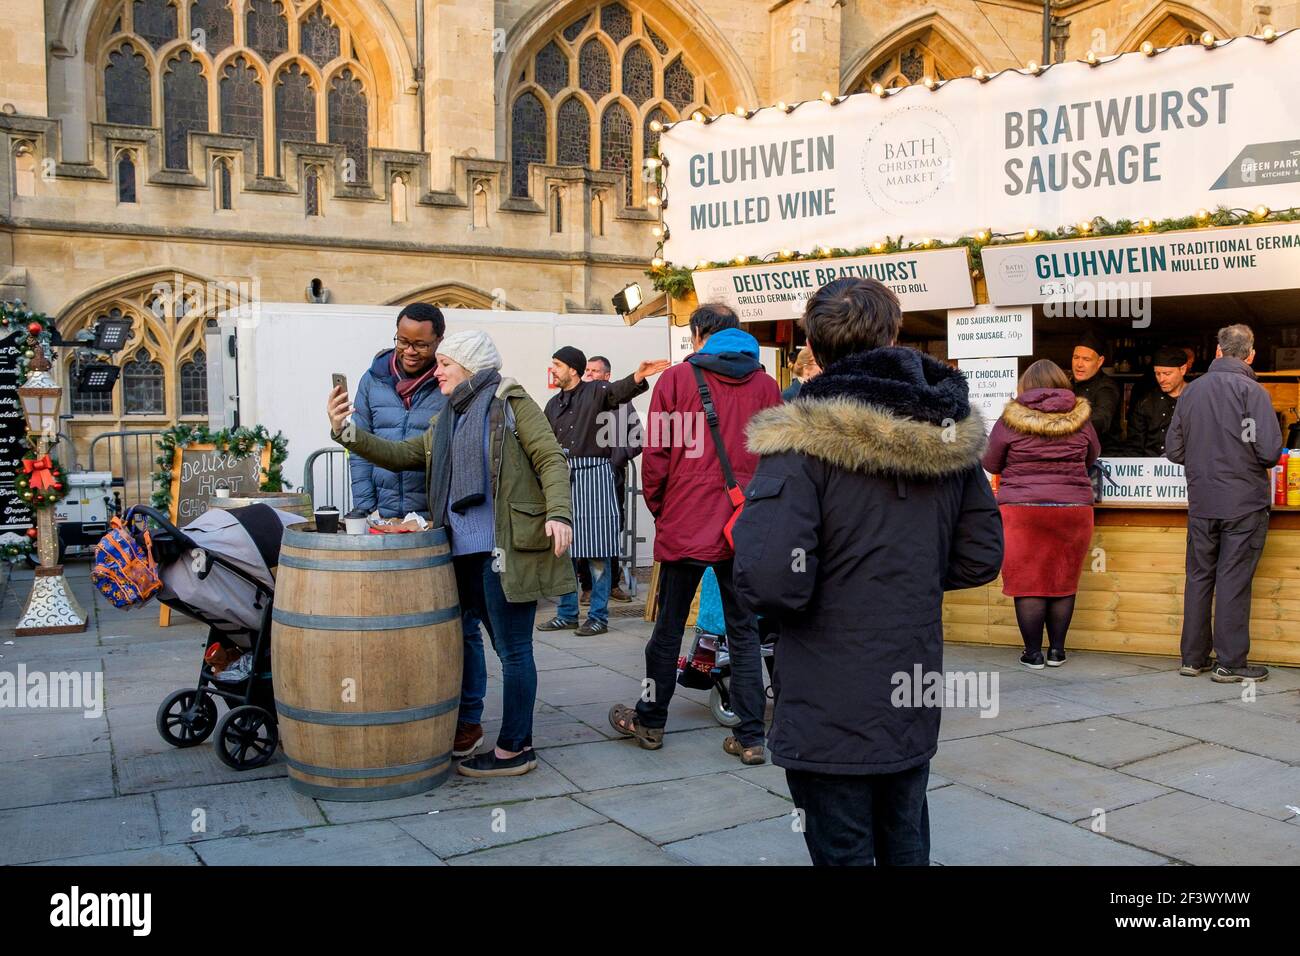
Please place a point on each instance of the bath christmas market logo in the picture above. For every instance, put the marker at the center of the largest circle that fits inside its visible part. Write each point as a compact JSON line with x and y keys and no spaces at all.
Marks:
{"x":907,"y":158}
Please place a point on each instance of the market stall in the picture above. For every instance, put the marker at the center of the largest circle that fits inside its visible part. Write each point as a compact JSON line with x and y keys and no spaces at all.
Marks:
{"x":1150,"y":198}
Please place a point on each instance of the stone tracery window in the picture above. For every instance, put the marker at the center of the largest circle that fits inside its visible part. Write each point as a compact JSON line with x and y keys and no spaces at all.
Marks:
{"x":927,"y":52}
{"x":142,"y":386}
{"x":330,"y":90}
{"x":599,"y":79}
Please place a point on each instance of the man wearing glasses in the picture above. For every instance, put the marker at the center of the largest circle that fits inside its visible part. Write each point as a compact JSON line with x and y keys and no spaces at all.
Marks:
{"x":396,"y":399}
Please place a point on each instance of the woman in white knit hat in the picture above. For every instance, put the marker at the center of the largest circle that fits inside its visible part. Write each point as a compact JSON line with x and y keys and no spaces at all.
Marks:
{"x":499,"y":485}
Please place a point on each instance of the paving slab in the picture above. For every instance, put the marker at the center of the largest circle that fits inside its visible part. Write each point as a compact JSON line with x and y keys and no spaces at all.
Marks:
{"x":1247,"y":727}
{"x":673,"y":810}
{"x":769,"y":777}
{"x":1032,"y":707}
{"x":1264,"y":786}
{"x":549,"y":730}
{"x":619,"y":763}
{"x":1201,"y":832}
{"x":373,"y":843}
{"x":585,"y":685}
{"x":189,"y":767}
{"x":1050,"y":783}
{"x":174,"y":855}
{"x":969,"y":828}
{"x":42,"y":780}
{"x":451,"y":833}
{"x":233,"y":809}
{"x":458,"y":792}
{"x":1105,"y":741}
{"x":1154,"y":691}
{"x":61,"y":830}
{"x":43,"y":733}
{"x":682,"y":715}
{"x":606,"y":845}
{"x":772,"y":842}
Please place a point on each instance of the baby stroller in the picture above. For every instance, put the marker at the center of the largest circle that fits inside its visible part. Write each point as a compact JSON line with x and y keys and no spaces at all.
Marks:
{"x":219,"y":571}
{"x":707,"y":666}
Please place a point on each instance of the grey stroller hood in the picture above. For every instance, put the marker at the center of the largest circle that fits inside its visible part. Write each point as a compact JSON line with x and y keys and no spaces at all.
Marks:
{"x":248,"y":538}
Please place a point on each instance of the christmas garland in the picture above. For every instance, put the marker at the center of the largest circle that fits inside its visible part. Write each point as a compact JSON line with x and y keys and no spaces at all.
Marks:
{"x":677,"y":280}
{"x":49,"y":488}
{"x":33,"y":328}
{"x":15,"y":549}
{"x":240,"y":441}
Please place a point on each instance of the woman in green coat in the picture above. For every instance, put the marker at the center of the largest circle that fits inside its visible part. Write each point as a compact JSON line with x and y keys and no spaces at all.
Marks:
{"x":499,"y":484}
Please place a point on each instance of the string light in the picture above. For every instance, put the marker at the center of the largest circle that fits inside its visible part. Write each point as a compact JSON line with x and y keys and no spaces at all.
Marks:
{"x":784,"y":107}
{"x":1031,"y":233}
{"x":1207,"y":39}
{"x":742,"y":112}
{"x":1032,"y":66}
{"x":928,"y":83}
{"x":1085,"y":226}
{"x":1148,"y":48}
{"x":651,"y":163}
{"x":1147,"y":223}
{"x":702,"y":264}
{"x":698,"y":116}
{"x":1091,"y":58}
{"x":979,"y":74}
{"x":786,"y":253}
{"x":652,"y":200}
{"x":657,"y":231}
{"x":741,"y":260}
{"x":878,"y":247}
{"x":656,"y":126}
{"x":982,"y":235}
{"x":1269,"y":34}
{"x":877,"y":89}
{"x":828,"y":96}
{"x":1202,"y":214}
{"x":656,"y":263}
{"x":1261,"y":211}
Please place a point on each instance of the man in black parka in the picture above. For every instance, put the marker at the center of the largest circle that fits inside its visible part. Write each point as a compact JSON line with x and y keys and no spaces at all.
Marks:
{"x":868,"y":504}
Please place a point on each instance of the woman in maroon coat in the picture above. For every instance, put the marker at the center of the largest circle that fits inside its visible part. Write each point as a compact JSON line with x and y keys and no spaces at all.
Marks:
{"x":1042,"y":446}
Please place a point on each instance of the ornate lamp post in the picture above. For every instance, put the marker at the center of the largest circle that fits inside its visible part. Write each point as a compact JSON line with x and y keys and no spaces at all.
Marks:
{"x":51,"y":608}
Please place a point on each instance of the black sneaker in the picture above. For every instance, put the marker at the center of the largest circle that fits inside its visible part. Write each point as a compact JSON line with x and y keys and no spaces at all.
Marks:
{"x":488,"y":764}
{"x":1033,"y":661}
{"x":558,"y":624}
{"x":1196,"y":670}
{"x":1235,"y":675}
{"x":591,"y":628}
{"x":1055,"y":658}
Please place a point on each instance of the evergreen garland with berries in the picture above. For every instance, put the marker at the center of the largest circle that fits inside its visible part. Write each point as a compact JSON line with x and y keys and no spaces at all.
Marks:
{"x":237,"y":441}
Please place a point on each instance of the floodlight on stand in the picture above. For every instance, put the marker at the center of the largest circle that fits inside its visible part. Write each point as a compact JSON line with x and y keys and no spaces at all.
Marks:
{"x":111,"y":335}
{"x":97,"y":377}
{"x":628,"y":299}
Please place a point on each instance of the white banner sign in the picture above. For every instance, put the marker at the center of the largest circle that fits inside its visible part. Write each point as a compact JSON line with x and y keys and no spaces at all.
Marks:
{"x":986,"y":331}
{"x":992,"y":385}
{"x":777,"y":290}
{"x":680,"y":343}
{"x":1242,"y":259}
{"x":1136,"y":136}
{"x":1142,"y":481}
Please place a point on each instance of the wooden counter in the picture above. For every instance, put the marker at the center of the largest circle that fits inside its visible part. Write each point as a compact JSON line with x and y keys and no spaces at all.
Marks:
{"x":1131,"y":590}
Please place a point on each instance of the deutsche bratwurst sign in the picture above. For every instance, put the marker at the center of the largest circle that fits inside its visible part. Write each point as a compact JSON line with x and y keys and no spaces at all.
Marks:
{"x":1135,"y":136}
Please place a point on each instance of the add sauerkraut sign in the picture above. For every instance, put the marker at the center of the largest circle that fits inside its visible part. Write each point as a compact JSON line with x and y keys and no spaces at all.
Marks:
{"x":1136,"y":136}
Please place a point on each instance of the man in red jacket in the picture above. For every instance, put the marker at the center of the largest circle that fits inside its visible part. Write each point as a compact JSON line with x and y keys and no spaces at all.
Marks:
{"x":685,"y":489}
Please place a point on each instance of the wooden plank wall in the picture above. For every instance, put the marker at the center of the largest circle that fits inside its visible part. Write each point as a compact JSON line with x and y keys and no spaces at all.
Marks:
{"x":1135,"y":604}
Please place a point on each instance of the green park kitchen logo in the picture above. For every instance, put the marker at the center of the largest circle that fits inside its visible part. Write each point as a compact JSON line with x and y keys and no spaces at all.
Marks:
{"x":77,"y":909}
{"x":908,"y":158}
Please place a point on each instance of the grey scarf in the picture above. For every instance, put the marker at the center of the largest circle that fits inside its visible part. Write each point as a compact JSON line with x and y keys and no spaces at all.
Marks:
{"x":459,"y":475}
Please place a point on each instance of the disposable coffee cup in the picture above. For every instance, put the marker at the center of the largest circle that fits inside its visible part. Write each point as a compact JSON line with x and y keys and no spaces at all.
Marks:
{"x":327,"y":520}
{"x":223,"y":492}
{"x":355,"y":525}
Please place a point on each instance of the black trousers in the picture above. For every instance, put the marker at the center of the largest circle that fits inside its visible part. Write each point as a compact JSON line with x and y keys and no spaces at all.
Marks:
{"x":678,"y":581}
{"x":1221,"y":559}
{"x":864,"y":821}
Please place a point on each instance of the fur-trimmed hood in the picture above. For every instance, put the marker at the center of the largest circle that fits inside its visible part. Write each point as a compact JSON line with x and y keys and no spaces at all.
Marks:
{"x":1049,"y":412}
{"x":890,"y":411}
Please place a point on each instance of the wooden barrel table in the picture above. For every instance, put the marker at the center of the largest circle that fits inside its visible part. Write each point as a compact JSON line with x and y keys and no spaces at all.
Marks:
{"x":366,"y":662}
{"x":291,"y":501}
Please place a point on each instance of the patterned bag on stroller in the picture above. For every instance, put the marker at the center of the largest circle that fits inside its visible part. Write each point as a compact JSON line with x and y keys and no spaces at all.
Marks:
{"x":125,"y":570}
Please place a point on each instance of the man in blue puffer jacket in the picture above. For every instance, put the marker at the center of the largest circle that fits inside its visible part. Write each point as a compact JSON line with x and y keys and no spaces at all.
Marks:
{"x":396,"y":399}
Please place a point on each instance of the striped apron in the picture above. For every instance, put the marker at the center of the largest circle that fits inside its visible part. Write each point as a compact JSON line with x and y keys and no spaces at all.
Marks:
{"x":595,"y":508}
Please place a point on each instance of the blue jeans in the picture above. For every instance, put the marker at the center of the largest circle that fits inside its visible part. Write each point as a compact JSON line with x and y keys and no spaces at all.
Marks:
{"x":601,"y":582}
{"x":877,"y":819}
{"x":473,"y":681}
{"x":510,"y":627}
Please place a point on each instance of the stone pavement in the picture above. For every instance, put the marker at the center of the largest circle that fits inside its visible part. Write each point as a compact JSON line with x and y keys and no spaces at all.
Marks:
{"x":1184,"y":771}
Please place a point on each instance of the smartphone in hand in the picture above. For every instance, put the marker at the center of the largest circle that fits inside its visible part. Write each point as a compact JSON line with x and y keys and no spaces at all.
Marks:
{"x":340,"y":381}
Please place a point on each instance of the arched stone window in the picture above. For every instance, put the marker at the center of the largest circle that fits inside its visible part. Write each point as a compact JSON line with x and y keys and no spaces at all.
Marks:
{"x":126,"y":176}
{"x":128,"y":96}
{"x":185,"y":107}
{"x":349,"y":122}
{"x":398,"y":198}
{"x":557,"y":209}
{"x":143,"y":386}
{"x":318,"y":37}
{"x":155,"y":21}
{"x":935,"y":50}
{"x":216,"y":23}
{"x":241,"y":103}
{"x":585,"y":92}
{"x":194,"y":385}
{"x":266,"y":30}
{"x":311,"y":191}
{"x":222,"y":184}
{"x":295,"y":108}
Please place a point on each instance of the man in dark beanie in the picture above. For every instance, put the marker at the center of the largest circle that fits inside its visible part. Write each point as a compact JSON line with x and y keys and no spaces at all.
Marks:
{"x":1149,"y":419}
{"x":1096,"y":386}
{"x":578,"y":416}
{"x":869,"y":503}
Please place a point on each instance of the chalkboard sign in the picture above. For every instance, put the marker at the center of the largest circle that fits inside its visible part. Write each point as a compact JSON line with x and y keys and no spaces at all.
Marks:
{"x":199,"y":470}
{"x":15,"y":514}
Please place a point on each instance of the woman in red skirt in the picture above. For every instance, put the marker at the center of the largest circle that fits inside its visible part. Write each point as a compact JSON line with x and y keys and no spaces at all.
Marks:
{"x":1042,"y":447}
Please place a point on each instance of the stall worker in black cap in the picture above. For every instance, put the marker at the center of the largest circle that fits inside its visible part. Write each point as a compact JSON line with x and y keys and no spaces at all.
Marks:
{"x":1090,"y":382}
{"x":1149,"y":419}
{"x":581,"y":415}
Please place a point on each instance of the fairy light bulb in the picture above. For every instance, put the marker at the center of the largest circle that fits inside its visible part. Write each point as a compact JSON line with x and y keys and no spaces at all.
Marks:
{"x":1207,"y":39}
{"x":1092,"y":58}
{"x":928,"y":82}
{"x":877,"y":89}
{"x":656,"y":126}
{"x":1202,"y":213}
{"x":978,"y":73}
{"x":656,"y":263}
{"x":1261,"y":211}
{"x":1148,"y":48}
{"x":828,"y":96}
{"x":1269,"y":34}
{"x":1031,"y":233}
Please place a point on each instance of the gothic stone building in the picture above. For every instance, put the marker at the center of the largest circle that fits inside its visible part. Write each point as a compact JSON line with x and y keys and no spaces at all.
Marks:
{"x":159,"y":157}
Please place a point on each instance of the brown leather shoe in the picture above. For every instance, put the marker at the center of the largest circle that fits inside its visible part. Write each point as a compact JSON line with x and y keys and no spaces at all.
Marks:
{"x":618,"y":594}
{"x":584,"y":597}
{"x":468,"y":737}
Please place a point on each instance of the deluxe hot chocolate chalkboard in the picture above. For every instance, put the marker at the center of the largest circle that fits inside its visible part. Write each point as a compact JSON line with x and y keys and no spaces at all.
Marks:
{"x":199,"y":470}
{"x":15,"y":515}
